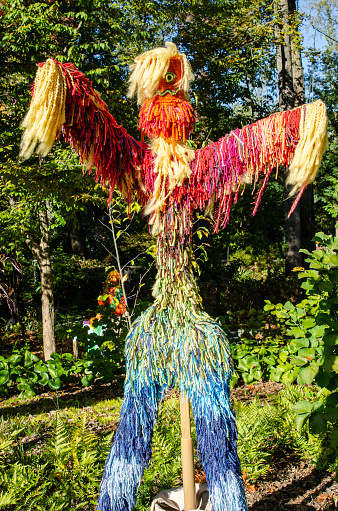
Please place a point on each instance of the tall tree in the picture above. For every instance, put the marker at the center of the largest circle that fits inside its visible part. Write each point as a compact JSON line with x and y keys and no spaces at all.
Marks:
{"x":298,"y":233}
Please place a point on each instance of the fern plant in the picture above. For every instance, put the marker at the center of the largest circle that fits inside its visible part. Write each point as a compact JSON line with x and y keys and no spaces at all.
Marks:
{"x":257,"y":426}
{"x":65,"y":475}
{"x":309,"y":446}
{"x":166,"y":465}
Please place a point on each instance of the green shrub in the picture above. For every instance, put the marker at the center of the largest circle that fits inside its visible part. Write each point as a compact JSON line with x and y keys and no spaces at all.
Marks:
{"x":312,"y":351}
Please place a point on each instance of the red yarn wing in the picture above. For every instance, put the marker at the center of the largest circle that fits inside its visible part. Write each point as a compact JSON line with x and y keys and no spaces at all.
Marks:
{"x":244,"y":155}
{"x":99,"y":141}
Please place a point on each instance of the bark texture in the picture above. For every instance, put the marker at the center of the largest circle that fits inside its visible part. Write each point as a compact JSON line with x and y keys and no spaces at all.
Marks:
{"x":299,"y":228}
{"x":77,"y":241}
{"x":43,"y":255}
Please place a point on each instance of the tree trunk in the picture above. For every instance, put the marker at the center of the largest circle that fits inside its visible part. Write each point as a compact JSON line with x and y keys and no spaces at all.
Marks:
{"x":77,"y":242}
{"x":293,"y":231}
{"x":298,"y":233}
{"x":42,"y":253}
{"x":47,"y":296}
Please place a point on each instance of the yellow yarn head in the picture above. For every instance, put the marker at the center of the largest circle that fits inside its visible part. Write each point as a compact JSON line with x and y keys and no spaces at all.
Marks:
{"x":151,"y":66}
{"x":46,"y":114}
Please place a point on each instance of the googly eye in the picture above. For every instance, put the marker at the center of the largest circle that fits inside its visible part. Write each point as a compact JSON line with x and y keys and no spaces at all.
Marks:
{"x":170,"y":77}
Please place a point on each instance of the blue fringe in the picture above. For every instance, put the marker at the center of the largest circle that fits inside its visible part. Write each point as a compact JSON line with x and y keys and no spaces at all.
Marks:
{"x":196,"y":355}
{"x":131,"y":451}
{"x":217,"y":448}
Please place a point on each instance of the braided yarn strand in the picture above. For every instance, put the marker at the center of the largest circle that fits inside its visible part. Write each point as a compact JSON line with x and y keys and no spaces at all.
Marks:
{"x":311,"y":146}
{"x":46,"y":114}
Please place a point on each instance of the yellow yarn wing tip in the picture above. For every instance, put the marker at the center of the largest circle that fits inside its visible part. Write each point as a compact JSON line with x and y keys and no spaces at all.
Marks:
{"x":46,"y":114}
{"x":313,"y":142}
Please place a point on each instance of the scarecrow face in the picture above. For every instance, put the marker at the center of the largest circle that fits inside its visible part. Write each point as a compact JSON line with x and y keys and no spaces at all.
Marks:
{"x":170,"y":81}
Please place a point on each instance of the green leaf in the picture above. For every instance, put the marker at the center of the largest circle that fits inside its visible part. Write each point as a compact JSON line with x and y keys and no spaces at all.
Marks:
{"x":300,"y":420}
{"x":53,"y":371}
{"x":331,"y":339}
{"x":269,"y":360}
{"x":298,"y":361}
{"x":301,"y":343}
{"x":44,"y":378}
{"x":4,"y":377}
{"x":295,"y":332}
{"x":308,"y":353}
{"x":54,"y":384}
{"x":302,"y":407}
{"x":55,"y":356}
{"x":32,"y":377}
{"x":308,"y":374}
{"x":27,"y":394}
{"x":88,"y":380}
{"x":25,"y":386}
{"x":332,"y":399}
{"x":40,"y":367}
{"x":275,"y":374}
{"x":322,"y":378}
{"x":256,"y":373}
{"x":289,"y":377}
{"x":283,"y":355}
{"x":308,"y":323}
{"x":317,"y":423}
{"x":247,"y":377}
{"x":15,"y":360}
{"x":30,"y":359}
{"x":289,"y":306}
{"x":334,"y":259}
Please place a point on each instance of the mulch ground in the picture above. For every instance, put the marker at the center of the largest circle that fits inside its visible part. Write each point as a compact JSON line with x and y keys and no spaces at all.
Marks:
{"x":292,"y":484}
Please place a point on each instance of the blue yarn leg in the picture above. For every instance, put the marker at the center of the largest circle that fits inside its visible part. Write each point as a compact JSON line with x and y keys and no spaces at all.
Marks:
{"x":217,"y":443}
{"x":131,"y":450}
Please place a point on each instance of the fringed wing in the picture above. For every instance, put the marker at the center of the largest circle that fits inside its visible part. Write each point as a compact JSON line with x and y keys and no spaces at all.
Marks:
{"x":295,"y":138}
{"x":63,"y":98}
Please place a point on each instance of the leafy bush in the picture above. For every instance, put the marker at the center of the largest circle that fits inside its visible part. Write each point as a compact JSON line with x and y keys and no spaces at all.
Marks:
{"x":312,"y":352}
{"x":28,"y":373}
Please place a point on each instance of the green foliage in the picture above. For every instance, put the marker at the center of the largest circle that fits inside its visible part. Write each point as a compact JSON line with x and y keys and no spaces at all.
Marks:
{"x":312,"y":326}
{"x":166,"y":467}
{"x":29,"y":374}
{"x":257,"y":426}
{"x":64,"y":475}
{"x":296,"y":433}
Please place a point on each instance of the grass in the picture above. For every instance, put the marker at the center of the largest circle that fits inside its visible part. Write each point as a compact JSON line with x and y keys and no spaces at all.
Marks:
{"x":53,"y":449}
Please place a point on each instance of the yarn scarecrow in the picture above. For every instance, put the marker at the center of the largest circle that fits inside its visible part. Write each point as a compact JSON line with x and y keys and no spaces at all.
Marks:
{"x":174,"y":342}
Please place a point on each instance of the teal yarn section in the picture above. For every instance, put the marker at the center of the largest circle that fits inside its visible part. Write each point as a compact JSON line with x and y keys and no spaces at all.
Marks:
{"x":161,"y":347}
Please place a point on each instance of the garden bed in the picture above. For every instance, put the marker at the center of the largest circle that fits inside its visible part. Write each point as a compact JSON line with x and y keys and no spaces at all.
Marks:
{"x":291,"y":483}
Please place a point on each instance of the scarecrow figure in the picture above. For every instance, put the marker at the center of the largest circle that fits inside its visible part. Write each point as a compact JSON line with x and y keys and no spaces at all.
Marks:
{"x":174,"y":342}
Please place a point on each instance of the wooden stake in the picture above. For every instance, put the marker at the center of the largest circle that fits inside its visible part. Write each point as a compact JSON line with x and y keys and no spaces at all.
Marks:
{"x":187,"y":457}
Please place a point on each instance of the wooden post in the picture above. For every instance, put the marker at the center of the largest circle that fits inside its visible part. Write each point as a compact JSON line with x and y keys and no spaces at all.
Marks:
{"x":187,"y":457}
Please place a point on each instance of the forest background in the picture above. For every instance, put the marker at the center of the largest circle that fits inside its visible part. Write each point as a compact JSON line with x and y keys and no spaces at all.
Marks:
{"x":54,"y":218}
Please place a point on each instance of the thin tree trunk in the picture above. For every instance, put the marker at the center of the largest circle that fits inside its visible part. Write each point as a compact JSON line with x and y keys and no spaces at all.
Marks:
{"x":41,"y":252}
{"x":293,"y":231}
{"x":284,"y":58}
{"x":47,"y":296}
{"x":291,"y":95}
{"x":77,"y":242}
